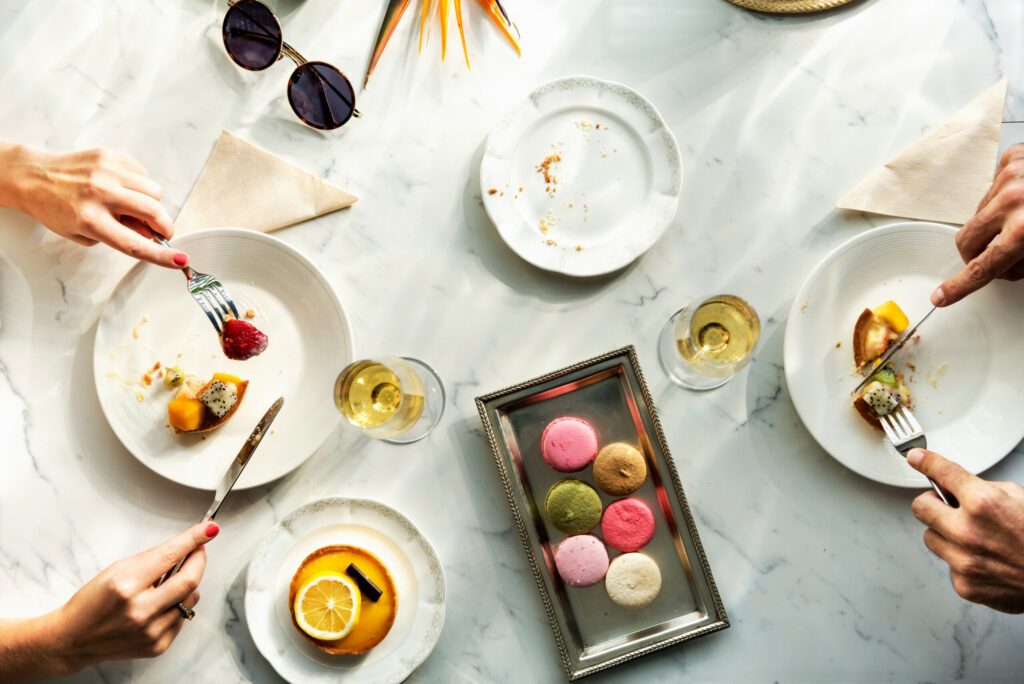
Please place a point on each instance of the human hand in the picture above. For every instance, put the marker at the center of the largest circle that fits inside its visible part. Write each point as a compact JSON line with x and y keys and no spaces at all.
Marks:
{"x":992,"y":242}
{"x":120,"y":614}
{"x":982,"y":541}
{"x":88,"y":197}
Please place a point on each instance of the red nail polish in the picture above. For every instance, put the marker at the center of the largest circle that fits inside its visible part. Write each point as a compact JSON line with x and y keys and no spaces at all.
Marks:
{"x":212,"y":529}
{"x":180,"y":259}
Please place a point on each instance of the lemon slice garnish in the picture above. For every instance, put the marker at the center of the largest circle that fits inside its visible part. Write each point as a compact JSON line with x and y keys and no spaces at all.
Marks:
{"x":327,"y":607}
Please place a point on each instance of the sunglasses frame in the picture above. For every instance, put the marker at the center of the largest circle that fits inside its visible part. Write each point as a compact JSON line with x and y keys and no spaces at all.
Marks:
{"x":284,"y":49}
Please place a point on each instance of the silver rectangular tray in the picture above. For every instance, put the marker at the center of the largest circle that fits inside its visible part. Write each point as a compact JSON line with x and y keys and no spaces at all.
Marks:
{"x":609,"y":392}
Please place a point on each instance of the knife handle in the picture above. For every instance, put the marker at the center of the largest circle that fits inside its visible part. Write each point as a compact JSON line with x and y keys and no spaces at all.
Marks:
{"x":946,"y":497}
{"x":177,"y":566}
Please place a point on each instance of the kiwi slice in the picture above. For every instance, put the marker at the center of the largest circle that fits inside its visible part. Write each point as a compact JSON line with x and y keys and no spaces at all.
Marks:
{"x":887,"y":376}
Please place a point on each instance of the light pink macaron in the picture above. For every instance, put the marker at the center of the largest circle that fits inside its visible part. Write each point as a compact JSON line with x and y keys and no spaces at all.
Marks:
{"x":568,"y":444}
{"x":627,"y":524}
{"x":581,"y":560}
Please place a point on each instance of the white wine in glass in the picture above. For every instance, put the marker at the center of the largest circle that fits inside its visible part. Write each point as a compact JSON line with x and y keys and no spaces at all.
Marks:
{"x":703,"y":345}
{"x":395,"y":399}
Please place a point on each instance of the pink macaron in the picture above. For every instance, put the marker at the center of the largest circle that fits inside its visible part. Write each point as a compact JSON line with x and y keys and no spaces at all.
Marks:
{"x":581,"y":560}
{"x":568,"y":444}
{"x":627,"y":524}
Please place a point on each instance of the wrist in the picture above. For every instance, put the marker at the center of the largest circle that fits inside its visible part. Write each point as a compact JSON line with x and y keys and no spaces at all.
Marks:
{"x":56,"y":643}
{"x":31,"y":648}
{"x":18,"y":164}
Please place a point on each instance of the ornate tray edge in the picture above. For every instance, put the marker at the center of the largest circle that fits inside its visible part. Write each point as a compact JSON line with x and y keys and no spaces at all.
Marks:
{"x":517,"y":515}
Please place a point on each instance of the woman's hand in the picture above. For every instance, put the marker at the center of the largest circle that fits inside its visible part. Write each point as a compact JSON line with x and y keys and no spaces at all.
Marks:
{"x":982,"y":541}
{"x":992,"y":243}
{"x":89,"y":197}
{"x":118,"y":614}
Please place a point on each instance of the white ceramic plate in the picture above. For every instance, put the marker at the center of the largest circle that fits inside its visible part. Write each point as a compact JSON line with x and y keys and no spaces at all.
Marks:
{"x":310,"y":342}
{"x":618,"y":180}
{"x":381,"y":530}
{"x":970,"y":414}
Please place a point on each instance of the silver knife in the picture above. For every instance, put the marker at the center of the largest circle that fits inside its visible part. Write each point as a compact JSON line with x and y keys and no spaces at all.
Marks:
{"x":229,"y":479}
{"x":890,"y":352}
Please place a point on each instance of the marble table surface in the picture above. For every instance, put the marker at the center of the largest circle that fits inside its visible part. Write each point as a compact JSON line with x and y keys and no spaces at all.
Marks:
{"x":823,"y":573}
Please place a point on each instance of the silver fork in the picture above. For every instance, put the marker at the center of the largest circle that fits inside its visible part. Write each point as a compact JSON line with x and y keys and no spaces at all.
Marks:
{"x":905,"y":433}
{"x":209,"y":294}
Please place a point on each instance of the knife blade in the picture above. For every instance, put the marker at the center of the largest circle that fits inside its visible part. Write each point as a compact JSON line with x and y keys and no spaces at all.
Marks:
{"x":890,"y":352}
{"x":242,"y":459}
{"x":228,"y":481}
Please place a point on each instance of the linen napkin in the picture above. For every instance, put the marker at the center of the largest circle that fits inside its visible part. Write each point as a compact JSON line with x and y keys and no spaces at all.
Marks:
{"x":942,"y":176}
{"x":242,"y":186}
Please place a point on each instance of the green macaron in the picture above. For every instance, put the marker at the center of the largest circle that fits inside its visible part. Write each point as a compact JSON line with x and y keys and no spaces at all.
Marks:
{"x":573,"y":506}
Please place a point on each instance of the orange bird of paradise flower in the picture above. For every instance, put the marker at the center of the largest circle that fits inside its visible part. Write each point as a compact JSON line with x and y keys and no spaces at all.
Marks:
{"x":396,"y":8}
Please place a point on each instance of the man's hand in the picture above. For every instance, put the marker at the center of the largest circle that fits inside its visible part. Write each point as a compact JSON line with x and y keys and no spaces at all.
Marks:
{"x":992,"y":243}
{"x":89,"y":197}
{"x":983,"y":540}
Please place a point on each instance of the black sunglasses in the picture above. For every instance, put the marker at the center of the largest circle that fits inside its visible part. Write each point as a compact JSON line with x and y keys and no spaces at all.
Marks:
{"x":319,"y":93}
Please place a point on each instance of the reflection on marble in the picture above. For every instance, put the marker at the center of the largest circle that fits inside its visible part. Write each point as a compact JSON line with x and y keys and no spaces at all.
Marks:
{"x":822,"y":572}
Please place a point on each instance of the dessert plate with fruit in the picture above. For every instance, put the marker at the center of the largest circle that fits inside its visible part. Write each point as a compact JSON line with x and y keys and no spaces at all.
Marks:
{"x":961,"y":373}
{"x":181,"y":398}
{"x":345,"y":589}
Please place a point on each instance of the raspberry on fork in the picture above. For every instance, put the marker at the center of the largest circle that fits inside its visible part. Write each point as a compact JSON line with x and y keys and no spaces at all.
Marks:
{"x":242,"y":340}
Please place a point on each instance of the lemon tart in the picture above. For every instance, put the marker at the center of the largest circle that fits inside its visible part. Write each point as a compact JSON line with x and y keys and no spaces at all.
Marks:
{"x":324,"y":610}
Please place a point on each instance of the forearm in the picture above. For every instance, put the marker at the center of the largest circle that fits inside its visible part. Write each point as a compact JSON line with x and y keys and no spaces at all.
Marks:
{"x":32,"y":648}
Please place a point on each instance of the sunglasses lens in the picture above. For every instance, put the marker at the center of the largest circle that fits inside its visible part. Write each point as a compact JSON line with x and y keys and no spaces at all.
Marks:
{"x":321,"y":95}
{"x":252,"y":35}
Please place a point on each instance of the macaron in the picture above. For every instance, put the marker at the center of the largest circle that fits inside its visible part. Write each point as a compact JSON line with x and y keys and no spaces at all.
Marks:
{"x":568,"y":444}
{"x":633,"y":580}
{"x":581,"y":560}
{"x":627,"y":524}
{"x":620,"y":469}
{"x":573,"y":506}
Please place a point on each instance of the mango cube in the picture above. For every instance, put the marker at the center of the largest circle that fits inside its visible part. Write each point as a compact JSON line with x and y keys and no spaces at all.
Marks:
{"x":893,"y":315}
{"x":185,"y":414}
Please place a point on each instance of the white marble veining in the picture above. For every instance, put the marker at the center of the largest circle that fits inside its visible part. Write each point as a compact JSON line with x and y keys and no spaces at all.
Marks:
{"x":823,"y":573}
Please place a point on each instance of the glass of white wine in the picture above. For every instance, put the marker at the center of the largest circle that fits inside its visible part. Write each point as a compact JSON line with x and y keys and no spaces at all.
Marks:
{"x":393,"y":398}
{"x":705,"y":343}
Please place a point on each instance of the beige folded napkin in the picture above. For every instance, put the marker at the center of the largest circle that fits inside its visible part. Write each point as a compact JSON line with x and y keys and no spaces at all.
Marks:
{"x":243,"y":186}
{"x":942,"y":176}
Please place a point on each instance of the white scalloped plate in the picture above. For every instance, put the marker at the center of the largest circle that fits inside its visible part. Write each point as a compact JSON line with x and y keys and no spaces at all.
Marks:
{"x":310,"y":341}
{"x":618,"y":178}
{"x":381,"y":530}
{"x":970,"y":414}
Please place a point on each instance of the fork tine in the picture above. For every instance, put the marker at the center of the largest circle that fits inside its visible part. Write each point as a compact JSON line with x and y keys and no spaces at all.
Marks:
{"x":889,"y":432}
{"x":212,"y":292}
{"x":210,"y":307}
{"x":900,"y":416}
{"x":909,"y":417}
{"x":224,"y":294}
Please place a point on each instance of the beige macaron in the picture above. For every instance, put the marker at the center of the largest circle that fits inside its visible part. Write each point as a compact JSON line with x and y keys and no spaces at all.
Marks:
{"x":619,"y":469}
{"x":633,"y":580}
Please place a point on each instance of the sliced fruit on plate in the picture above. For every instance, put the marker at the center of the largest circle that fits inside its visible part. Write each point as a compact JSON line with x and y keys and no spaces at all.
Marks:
{"x":327,"y":607}
{"x":873,"y":333}
{"x":881,"y":397}
{"x":201,"y":406}
{"x":174,"y":376}
{"x":893,"y":315}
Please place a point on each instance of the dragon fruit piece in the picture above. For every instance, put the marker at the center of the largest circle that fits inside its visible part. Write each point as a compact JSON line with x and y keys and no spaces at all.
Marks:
{"x":219,"y":397}
{"x":880,"y":399}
